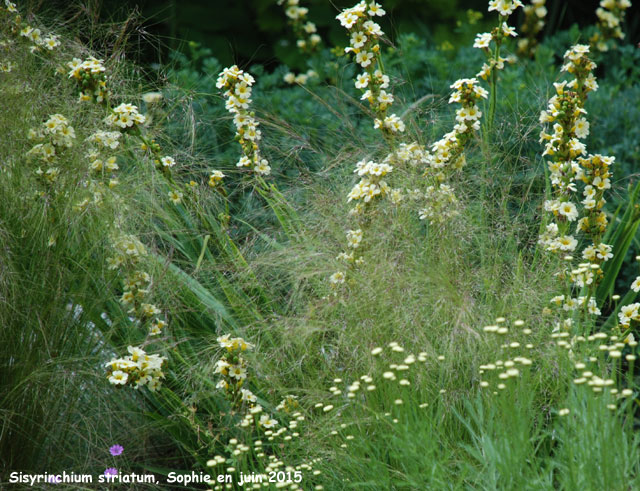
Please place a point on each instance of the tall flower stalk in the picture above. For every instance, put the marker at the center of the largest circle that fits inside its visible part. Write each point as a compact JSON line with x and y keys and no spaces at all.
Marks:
{"x":534,"y":15}
{"x":569,"y":164}
{"x":373,"y":83}
{"x":495,"y":61}
{"x":364,"y":47}
{"x":610,"y":15}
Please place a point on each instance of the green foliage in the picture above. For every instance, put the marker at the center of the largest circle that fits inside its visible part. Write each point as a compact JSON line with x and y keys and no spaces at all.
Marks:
{"x":262,"y":274}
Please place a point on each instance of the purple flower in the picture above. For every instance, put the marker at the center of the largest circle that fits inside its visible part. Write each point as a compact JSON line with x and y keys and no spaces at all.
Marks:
{"x":116,"y":450}
{"x":111,"y":472}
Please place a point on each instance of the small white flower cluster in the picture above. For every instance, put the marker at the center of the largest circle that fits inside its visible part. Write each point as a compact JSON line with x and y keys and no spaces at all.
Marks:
{"x":215,"y":178}
{"x":90,"y":76}
{"x":511,"y":364}
{"x":39,"y":41}
{"x":610,"y":15}
{"x":504,"y":7}
{"x":401,"y":373}
{"x":449,"y":149}
{"x":498,"y":35}
{"x":57,"y":130}
{"x":583,"y":276}
{"x":233,"y":369}
{"x":137,"y":369}
{"x":305,"y":31}
{"x":266,"y":456}
{"x":53,"y":136}
{"x":129,"y":253}
{"x":237,"y":92}
{"x":10,"y":7}
{"x":104,"y":165}
{"x":302,"y":78}
{"x":442,"y":204}
{"x":371,"y":183}
{"x":534,"y":15}
{"x":125,"y":117}
{"x":365,"y":48}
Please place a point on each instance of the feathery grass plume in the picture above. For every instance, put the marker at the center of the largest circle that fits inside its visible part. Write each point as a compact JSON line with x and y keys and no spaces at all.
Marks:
{"x":534,"y":15}
{"x":610,"y":15}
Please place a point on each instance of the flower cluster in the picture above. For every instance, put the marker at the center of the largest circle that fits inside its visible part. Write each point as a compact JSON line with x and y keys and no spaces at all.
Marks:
{"x":232,"y":368}
{"x":442,"y":204}
{"x":215,"y":178}
{"x":54,"y":135}
{"x":610,"y":16}
{"x":585,"y":353}
{"x":137,"y":369}
{"x":565,"y":149}
{"x":534,"y":15}
{"x":395,"y":367}
{"x":447,"y":154}
{"x":302,"y":78}
{"x":91,"y":78}
{"x":102,"y":163}
{"x":39,"y":41}
{"x":125,"y":117}
{"x":371,"y":182}
{"x":305,"y":31}
{"x":504,"y":7}
{"x":129,"y":253}
{"x":264,"y":436}
{"x":511,"y":362}
{"x":498,"y":36}
{"x":364,"y":46}
{"x":237,"y":92}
